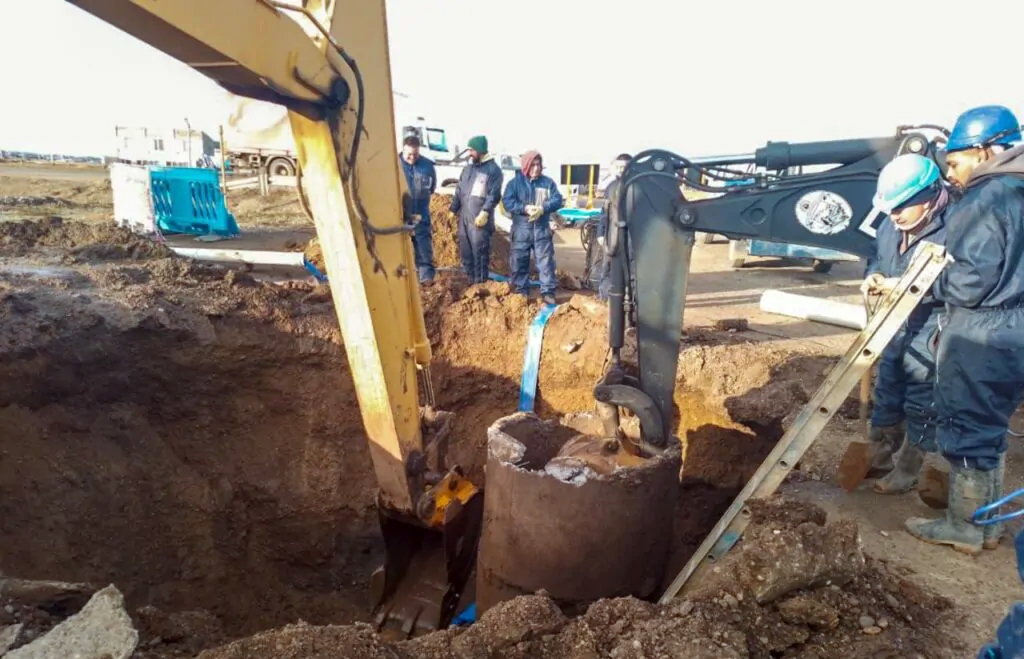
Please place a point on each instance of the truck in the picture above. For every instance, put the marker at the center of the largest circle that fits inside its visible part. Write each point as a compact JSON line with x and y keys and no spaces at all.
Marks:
{"x":257,"y":136}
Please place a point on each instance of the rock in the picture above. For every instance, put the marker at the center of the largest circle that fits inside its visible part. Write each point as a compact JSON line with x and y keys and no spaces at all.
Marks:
{"x":802,"y":610}
{"x":866,"y":621}
{"x":771,"y":565}
{"x":685,"y":608}
{"x":101,"y":630}
{"x":883,"y":623}
{"x":521,"y":619}
{"x":730,"y":601}
{"x":892,"y":601}
{"x":873,"y":630}
{"x":10,"y":636}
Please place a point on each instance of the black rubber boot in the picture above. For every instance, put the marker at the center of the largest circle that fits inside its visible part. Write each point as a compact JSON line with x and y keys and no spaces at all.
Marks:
{"x":993,"y":533}
{"x":903,"y":476}
{"x":889,"y":439}
{"x":968,"y":490}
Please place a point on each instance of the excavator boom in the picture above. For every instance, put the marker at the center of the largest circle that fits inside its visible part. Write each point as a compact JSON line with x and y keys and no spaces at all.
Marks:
{"x":651,"y":236}
{"x":327,"y":62}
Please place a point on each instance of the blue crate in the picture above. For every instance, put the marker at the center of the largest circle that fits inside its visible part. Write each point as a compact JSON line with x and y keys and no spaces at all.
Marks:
{"x":188,"y":200}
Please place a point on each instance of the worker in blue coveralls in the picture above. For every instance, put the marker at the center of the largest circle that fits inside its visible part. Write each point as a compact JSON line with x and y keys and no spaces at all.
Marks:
{"x":476,"y":196}
{"x":530,"y":198}
{"x":618,"y":169}
{"x":912,"y":193}
{"x":980,"y":344}
{"x":422,"y":181}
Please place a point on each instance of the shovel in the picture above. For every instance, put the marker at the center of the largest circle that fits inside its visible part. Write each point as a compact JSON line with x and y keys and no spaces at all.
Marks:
{"x":859,"y":455}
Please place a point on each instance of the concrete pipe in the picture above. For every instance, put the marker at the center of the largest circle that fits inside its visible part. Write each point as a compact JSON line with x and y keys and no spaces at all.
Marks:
{"x":805,"y":307}
{"x":250,"y":256}
{"x":564,"y":514}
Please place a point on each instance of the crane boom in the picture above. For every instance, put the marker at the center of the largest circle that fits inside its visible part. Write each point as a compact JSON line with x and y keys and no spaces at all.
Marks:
{"x":327,"y":62}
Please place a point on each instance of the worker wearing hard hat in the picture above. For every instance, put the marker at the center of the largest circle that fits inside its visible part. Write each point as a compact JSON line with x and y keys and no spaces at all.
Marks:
{"x":980,"y":346}
{"x":530,"y":198}
{"x":911,"y":192}
{"x":476,"y":196}
{"x":618,"y":169}
{"x":421,"y":178}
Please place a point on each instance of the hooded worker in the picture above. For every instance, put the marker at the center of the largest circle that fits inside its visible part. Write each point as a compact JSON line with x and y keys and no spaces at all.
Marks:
{"x":530,"y":198}
{"x":911,"y":192}
{"x":476,"y":196}
{"x":421,"y":178}
{"x":980,"y":346}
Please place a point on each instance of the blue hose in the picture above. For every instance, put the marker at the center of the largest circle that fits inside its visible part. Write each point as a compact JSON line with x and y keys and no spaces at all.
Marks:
{"x":979,"y":515}
{"x":531,"y":360}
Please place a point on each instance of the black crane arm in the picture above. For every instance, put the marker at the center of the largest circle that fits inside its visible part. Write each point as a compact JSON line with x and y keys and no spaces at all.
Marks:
{"x":651,"y":235}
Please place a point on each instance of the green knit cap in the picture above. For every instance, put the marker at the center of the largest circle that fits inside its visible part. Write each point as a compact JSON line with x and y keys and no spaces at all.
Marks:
{"x":478,"y":144}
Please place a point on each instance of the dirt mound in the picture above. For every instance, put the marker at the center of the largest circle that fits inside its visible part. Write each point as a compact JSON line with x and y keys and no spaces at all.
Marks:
{"x":279,"y":208}
{"x":79,"y":241}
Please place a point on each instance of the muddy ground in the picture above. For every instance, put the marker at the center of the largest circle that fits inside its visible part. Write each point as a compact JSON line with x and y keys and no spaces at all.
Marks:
{"x":191,"y":435}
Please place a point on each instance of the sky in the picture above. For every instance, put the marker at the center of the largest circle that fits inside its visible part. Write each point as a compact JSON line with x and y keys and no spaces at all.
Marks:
{"x":576,"y":81}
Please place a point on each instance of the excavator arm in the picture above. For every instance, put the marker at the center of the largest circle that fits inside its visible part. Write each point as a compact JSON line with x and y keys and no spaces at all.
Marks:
{"x":327,"y":62}
{"x":651,"y":236}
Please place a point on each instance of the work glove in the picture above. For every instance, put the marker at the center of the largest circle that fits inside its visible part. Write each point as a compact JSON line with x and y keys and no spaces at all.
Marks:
{"x":872,"y":283}
{"x":600,"y":241}
{"x":417,"y":218}
{"x":533,"y":213}
{"x":887,"y":285}
{"x":481,"y":219}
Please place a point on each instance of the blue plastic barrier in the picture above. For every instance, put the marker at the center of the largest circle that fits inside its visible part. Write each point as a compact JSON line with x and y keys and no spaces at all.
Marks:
{"x":576,"y":215}
{"x":188,"y":200}
{"x":531,"y":360}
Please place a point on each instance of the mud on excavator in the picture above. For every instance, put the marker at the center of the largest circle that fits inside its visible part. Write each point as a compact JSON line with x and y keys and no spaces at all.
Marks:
{"x":327,"y":62}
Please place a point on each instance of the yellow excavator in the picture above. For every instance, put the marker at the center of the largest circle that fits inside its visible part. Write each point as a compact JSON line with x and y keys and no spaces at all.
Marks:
{"x":327,"y":62}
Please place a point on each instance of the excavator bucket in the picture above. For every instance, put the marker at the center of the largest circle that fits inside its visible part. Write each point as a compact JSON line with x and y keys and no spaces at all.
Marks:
{"x":423,"y":582}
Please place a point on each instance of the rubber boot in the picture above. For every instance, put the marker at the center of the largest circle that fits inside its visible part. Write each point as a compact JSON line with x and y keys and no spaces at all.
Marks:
{"x":903,"y":476}
{"x":933,"y":482}
{"x":993,"y":533}
{"x":968,"y":490}
{"x":888,"y":439}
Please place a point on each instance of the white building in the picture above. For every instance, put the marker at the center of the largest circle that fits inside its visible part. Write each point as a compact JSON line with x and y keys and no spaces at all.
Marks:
{"x":151,"y":146}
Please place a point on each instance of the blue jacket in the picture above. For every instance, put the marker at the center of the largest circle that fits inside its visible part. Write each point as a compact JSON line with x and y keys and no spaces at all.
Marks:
{"x":522,"y":192}
{"x":986,"y":239}
{"x":888,"y":261}
{"x":479,"y":189}
{"x":421,"y":178}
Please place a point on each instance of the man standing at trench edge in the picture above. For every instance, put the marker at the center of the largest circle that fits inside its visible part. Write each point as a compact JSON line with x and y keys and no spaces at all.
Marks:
{"x":421,"y":178}
{"x":530,"y":198}
{"x":476,"y":196}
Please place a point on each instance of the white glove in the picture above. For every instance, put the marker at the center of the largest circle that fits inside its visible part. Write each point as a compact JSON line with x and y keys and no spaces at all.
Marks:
{"x":872,"y":284}
{"x":888,"y":284}
{"x":533,"y":212}
{"x":600,"y":241}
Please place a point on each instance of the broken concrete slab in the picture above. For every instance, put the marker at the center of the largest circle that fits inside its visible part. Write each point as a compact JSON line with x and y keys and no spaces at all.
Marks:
{"x":101,"y":630}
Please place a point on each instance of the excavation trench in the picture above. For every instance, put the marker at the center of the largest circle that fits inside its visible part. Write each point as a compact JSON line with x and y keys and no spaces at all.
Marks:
{"x":192,"y":436}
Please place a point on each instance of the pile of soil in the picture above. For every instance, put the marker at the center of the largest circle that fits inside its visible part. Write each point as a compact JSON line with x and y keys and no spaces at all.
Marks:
{"x":193,"y":436}
{"x":77,"y":241}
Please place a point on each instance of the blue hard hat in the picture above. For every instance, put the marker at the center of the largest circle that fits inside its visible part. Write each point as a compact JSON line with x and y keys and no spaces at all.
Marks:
{"x":984,"y":126}
{"x":903,"y":179}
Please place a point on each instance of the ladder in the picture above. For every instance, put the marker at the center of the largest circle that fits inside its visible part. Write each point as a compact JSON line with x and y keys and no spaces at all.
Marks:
{"x":891,"y":313}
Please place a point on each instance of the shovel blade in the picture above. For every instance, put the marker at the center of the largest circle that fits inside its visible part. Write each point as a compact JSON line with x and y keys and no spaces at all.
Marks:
{"x":856,"y":464}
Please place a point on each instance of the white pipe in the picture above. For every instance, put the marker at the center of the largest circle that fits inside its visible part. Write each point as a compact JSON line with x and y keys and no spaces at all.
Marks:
{"x":806,"y":307}
{"x":253,"y":256}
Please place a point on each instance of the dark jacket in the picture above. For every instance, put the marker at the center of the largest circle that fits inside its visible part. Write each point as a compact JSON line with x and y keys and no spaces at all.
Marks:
{"x":479,"y":189}
{"x":888,"y":261}
{"x":522,"y":192}
{"x":986,"y":239}
{"x":421,"y":177}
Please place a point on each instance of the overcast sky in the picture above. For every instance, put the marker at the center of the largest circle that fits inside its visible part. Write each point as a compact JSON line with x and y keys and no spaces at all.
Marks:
{"x":577,"y":81}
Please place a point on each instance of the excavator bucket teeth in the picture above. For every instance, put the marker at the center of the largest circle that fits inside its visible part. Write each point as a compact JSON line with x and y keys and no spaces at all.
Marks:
{"x":426,"y":571}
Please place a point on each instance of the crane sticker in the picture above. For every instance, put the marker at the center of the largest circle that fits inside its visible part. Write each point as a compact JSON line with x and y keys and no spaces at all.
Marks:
{"x":823,"y":212}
